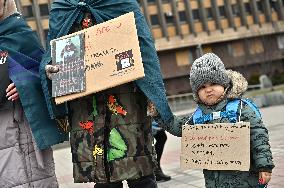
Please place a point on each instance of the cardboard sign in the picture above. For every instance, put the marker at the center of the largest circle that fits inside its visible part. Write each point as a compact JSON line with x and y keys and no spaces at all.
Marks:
{"x":112,"y":55}
{"x":220,"y":146}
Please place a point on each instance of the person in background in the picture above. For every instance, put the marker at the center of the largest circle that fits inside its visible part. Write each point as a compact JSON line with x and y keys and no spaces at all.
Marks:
{"x":161,"y":137}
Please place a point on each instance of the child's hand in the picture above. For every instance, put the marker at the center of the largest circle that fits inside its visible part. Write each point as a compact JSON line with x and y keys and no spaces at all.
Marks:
{"x":264,"y":177}
{"x":12,"y":92}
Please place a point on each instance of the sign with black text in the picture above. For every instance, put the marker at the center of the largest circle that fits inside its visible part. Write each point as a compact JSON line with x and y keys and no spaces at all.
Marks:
{"x":112,"y":56}
{"x":219,"y":146}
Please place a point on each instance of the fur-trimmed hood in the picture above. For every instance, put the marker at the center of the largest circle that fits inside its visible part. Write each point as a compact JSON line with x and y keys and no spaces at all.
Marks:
{"x":239,"y":84}
{"x":7,"y":9}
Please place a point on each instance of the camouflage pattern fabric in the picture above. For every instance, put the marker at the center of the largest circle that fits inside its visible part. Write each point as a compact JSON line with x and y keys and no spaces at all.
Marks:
{"x":120,"y":146}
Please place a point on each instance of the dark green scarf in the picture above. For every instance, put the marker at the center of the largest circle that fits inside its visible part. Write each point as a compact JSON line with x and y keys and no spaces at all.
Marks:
{"x":24,"y":56}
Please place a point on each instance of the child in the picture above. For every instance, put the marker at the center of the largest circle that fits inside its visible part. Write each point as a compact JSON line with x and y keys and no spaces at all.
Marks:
{"x":214,"y":88}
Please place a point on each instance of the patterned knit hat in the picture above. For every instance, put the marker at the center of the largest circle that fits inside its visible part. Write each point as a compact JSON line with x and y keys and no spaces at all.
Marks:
{"x":208,"y":68}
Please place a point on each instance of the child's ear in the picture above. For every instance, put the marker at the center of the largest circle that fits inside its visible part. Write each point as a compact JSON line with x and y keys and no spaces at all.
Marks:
{"x":7,"y":8}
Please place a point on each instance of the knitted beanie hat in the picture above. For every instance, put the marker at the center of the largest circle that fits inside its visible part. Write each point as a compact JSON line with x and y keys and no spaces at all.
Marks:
{"x":208,"y":68}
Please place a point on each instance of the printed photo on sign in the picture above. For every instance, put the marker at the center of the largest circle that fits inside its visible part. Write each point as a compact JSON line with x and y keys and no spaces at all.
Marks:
{"x":68,"y":54}
{"x":124,"y":60}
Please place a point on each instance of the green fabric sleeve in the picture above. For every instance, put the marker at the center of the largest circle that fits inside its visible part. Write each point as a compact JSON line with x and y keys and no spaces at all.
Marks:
{"x":174,"y":126}
{"x":261,"y":156}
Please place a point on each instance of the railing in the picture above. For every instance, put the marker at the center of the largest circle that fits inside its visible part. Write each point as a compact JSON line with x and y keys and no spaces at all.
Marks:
{"x":181,"y":102}
{"x":254,"y":87}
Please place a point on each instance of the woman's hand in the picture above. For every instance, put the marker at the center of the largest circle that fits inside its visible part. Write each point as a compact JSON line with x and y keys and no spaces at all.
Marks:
{"x":12,"y":92}
{"x":264,"y":177}
{"x":50,"y":70}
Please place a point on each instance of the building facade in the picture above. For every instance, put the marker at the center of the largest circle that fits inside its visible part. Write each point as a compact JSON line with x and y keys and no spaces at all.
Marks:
{"x":248,"y":35}
{"x":36,"y":13}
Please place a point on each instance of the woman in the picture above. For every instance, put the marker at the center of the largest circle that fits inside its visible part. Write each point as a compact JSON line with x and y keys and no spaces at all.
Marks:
{"x":25,"y":139}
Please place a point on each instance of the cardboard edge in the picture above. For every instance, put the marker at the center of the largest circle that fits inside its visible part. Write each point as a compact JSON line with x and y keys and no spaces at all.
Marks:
{"x":59,"y":101}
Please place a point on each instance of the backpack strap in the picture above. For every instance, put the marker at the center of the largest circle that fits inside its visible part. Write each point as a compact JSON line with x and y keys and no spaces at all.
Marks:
{"x":253,"y":106}
{"x":197,"y":115}
{"x":230,"y":113}
{"x":231,"y":110}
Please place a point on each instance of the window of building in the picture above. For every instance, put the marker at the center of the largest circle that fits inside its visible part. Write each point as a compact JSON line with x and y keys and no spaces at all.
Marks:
{"x":236,"y":49}
{"x":154,"y":20}
{"x":255,"y":46}
{"x":222,"y":11}
{"x":209,"y":13}
{"x":280,"y":41}
{"x":236,"y":10}
{"x":151,"y":1}
{"x":248,"y":8}
{"x":195,"y":13}
{"x":44,"y":10}
{"x":169,"y":17}
{"x":260,"y":7}
{"x":27,"y":11}
{"x":190,"y":57}
{"x":273,"y":5}
{"x":45,"y":31}
{"x":207,"y":49}
{"x":184,"y":57}
{"x":182,"y":16}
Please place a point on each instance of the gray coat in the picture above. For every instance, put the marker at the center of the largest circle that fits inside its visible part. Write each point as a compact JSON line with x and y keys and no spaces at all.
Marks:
{"x":22,"y":165}
{"x":261,"y":157}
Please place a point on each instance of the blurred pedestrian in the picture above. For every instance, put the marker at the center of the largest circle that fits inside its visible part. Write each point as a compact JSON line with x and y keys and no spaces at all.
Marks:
{"x":161,"y":138}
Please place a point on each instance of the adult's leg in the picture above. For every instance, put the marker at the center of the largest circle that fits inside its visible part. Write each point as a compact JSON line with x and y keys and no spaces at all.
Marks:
{"x":144,"y":182}
{"x":161,"y":139}
{"x":109,"y":185}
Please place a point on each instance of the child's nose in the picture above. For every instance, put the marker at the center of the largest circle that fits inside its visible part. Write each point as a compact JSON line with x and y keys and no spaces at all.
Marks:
{"x":208,"y":89}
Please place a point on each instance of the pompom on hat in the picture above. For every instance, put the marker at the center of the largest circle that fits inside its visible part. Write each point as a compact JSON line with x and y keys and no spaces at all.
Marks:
{"x":209,"y":68}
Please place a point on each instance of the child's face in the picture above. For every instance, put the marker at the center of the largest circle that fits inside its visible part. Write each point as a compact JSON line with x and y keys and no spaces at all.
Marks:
{"x":210,"y":93}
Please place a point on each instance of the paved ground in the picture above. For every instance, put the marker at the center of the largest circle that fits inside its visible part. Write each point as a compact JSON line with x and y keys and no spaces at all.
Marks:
{"x":273,"y":118}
